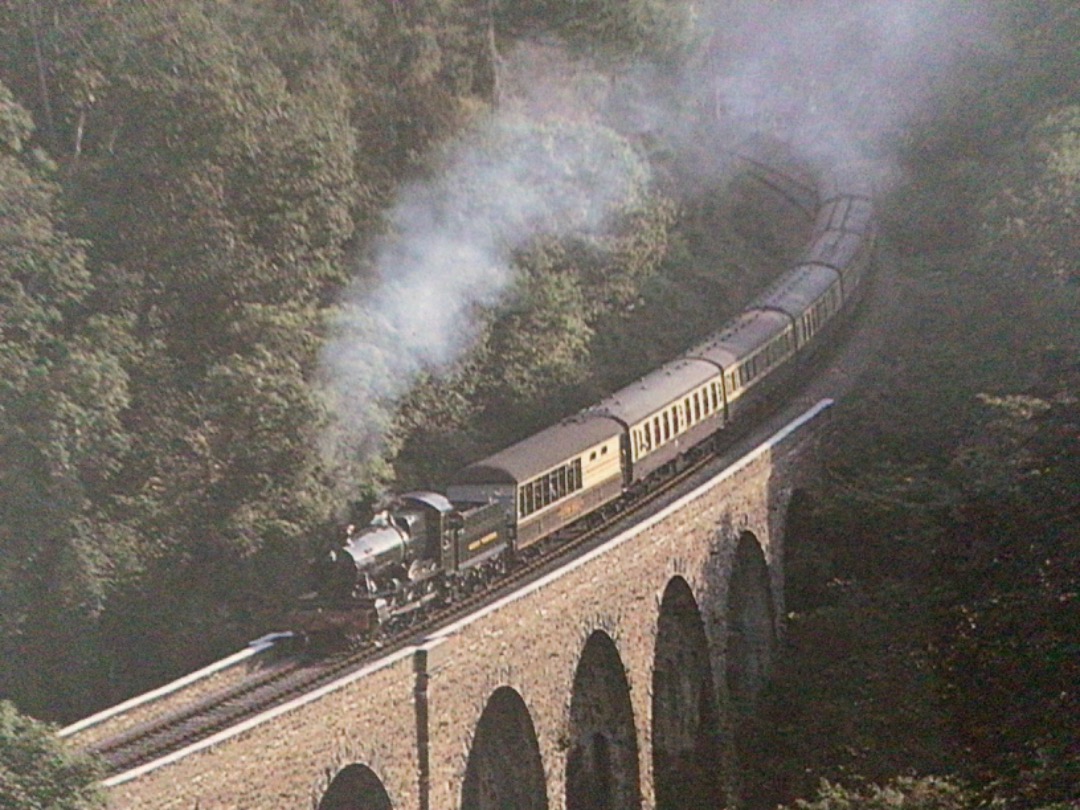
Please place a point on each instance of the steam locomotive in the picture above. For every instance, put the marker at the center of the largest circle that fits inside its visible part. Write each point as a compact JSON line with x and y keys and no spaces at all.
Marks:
{"x":426,"y":546}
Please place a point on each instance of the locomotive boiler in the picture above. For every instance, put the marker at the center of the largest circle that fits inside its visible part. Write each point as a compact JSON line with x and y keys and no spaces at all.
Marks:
{"x":418,"y":549}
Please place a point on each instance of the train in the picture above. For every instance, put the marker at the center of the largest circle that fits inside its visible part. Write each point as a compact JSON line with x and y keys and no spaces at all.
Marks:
{"x":428,"y":546}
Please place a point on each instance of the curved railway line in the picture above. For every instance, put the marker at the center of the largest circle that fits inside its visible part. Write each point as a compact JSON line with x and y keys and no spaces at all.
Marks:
{"x":285,"y":679}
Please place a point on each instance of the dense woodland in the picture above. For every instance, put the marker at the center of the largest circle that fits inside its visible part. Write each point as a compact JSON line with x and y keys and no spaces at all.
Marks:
{"x":193,"y":193}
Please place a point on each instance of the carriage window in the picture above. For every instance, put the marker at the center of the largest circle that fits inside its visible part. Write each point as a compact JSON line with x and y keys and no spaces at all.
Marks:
{"x":549,"y":488}
{"x":667,"y":426}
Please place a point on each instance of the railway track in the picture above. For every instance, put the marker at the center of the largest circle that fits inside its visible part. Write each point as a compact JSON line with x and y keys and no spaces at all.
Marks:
{"x":293,"y":676}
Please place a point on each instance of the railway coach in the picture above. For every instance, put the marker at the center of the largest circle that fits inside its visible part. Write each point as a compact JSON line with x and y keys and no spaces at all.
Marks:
{"x":428,"y":546}
{"x":551,"y":479}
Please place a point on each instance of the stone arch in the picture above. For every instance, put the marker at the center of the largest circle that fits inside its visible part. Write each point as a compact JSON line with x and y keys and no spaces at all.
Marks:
{"x":504,"y":768}
{"x":602,"y":763}
{"x":356,"y":787}
{"x":751,"y":622}
{"x":687,"y":753}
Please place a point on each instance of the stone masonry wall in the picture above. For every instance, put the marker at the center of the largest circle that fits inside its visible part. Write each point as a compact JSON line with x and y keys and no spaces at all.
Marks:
{"x":531,"y":642}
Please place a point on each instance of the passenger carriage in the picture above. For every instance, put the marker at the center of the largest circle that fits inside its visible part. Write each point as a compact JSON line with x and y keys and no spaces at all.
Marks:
{"x":811,"y":295}
{"x":427,"y":544}
{"x":755,"y":342}
{"x":549,"y":480}
{"x":846,"y":252}
{"x":665,"y":413}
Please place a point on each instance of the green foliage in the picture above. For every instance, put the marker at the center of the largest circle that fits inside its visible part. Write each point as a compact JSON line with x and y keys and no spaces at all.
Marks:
{"x":659,"y":28}
{"x":15,"y":122}
{"x":936,"y":598}
{"x":934,"y":621}
{"x":902,"y":793}
{"x":1009,"y":569}
{"x":854,"y":694}
{"x":37,"y":772}
{"x":563,"y":209}
{"x":62,"y":396}
{"x":200,"y":182}
{"x":1031,"y":222}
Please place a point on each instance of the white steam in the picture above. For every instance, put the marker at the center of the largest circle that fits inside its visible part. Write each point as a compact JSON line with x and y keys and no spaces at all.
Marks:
{"x":449,"y":254}
{"x":835,"y":80}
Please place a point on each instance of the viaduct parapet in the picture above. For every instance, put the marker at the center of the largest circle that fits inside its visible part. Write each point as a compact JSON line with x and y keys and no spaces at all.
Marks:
{"x":614,"y":682}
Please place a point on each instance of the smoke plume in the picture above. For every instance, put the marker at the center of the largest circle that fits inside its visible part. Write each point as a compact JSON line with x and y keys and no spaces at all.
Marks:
{"x":834,"y":80}
{"x":449,"y":250}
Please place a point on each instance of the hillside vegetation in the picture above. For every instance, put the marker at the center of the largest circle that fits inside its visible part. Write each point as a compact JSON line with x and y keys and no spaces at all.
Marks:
{"x":194,"y":193}
{"x":194,"y":196}
{"x":932,"y":657}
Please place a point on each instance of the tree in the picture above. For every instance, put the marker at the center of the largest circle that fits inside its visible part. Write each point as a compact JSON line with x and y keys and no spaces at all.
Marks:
{"x":656,"y":28}
{"x":1031,"y":223}
{"x":37,"y":772}
{"x":558,"y":218}
{"x":902,"y":793}
{"x":1009,"y":569}
{"x":62,"y":397}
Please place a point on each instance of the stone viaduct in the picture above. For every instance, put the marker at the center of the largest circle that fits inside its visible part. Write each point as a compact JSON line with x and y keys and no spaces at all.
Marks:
{"x":616,"y":682}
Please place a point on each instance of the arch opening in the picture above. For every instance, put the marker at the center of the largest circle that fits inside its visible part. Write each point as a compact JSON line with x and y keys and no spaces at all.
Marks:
{"x":356,"y":787}
{"x":602,"y":763}
{"x":687,"y":751}
{"x":504,"y":768}
{"x":751,"y":625}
